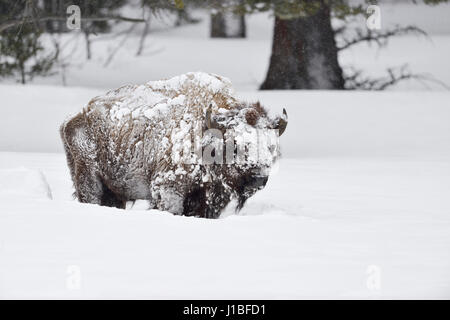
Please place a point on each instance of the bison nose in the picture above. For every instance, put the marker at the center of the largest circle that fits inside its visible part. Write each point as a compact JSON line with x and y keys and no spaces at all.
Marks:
{"x":259,"y":181}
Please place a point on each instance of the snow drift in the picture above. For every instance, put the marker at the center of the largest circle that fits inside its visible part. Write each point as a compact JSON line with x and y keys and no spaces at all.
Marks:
{"x":23,"y":183}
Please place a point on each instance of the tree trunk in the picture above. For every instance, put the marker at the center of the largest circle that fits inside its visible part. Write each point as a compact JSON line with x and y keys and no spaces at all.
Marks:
{"x":227,"y":25}
{"x":218,"y":28}
{"x":22,"y":72}
{"x":88,"y":45}
{"x":183,"y":17}
{"x":144,"y":34}
{"x":242,"y":27}
{"x":304,"y":54}
{"x":50,"y":8}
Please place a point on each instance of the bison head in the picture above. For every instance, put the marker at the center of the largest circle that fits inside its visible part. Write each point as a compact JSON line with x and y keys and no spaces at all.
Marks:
{"x":243,"y":144}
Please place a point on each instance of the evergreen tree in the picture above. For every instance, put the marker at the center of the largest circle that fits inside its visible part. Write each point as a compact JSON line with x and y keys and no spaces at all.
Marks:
{"x":305,"y":50}
{"x":21,"y":52}
{"x":227,"y":21}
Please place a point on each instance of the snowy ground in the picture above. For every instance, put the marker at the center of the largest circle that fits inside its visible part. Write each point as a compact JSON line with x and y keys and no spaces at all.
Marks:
{"x":362,"y":194}
{"x":357,"y":208}
{"x":314,"y":232}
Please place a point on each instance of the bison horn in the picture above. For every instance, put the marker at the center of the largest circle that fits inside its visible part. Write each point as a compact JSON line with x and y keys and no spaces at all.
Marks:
{"x":280,"y":123}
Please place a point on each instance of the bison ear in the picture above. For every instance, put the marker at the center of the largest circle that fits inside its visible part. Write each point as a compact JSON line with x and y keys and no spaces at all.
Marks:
{"x":280,"y":123}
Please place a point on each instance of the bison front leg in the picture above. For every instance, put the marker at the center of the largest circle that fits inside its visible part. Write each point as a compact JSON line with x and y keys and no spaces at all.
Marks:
{"x":217,"y":199}
{"x":206,"y":201}
{"x":166,"y":198}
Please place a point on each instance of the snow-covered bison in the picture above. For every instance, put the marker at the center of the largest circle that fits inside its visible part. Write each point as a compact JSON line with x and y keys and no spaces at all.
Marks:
{"x":186,"y":145}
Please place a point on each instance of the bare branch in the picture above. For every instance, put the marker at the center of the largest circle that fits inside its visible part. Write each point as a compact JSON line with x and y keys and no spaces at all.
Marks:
{"x":12,"y":23}
{"x":355,"y":80}
{"x":120,"y":45}
{"x":380,"y":38}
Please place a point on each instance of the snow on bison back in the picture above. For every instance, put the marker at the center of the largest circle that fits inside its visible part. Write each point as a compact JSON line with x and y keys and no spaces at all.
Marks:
{"x":185,"y":144}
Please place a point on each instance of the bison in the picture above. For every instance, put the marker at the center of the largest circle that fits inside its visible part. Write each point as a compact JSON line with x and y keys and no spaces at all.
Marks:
{"x":136,"y":142}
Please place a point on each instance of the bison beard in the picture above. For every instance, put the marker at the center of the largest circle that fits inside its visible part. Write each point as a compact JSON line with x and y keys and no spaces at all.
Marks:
{"x":126,"y":145}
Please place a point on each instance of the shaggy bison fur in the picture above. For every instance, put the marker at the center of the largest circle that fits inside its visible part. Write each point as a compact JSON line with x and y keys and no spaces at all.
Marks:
{"x":132,"y":144}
